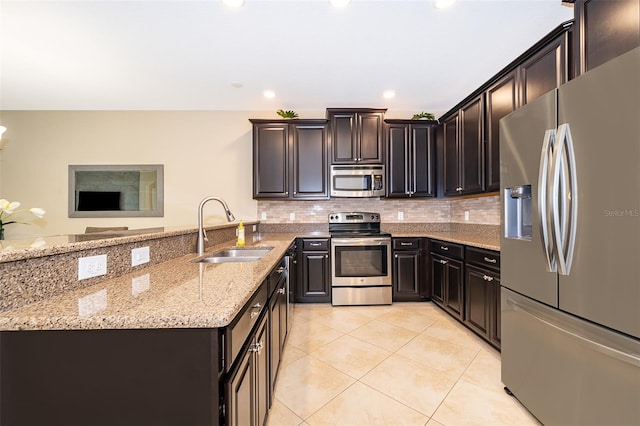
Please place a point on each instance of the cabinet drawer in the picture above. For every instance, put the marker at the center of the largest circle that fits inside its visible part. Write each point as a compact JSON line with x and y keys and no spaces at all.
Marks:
{"x":484,"y":258}
{"x":316,"y":244}
{"x":276,"y":275}
{"x":447,"y":249}
{"x":236,"y":334}
{"x":408,"y":243}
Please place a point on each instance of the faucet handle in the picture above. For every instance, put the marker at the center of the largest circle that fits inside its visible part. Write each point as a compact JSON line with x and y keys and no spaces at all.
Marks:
{"x":204,"y":234}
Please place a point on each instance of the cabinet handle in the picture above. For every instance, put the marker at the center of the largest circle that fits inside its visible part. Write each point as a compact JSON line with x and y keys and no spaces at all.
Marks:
{"x":486,"y":259}
{"x":257,"y":307}
{"x":254,"y":314}
{"x":281,"y":290}
{"x":459,"y":189}
{"x":487,"y":278}
{"x":257,"y":347}
{"x":396,"y":256}
{"x":280,"y":270}
{"x":406,"y":244}
{"x":444,"y":248}
{"x":326,"y":255}
{"x":315,"y":244}
{"x":444,"y":262}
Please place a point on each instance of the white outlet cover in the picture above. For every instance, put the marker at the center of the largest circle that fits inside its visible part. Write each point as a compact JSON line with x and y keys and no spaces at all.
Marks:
{"x":466,"y":215}
{"x":92,"y":266}
{"x":139,"y":256}
{"x":400,"y":215}
{"x":292,"y":216}
{"x":263,"y":216}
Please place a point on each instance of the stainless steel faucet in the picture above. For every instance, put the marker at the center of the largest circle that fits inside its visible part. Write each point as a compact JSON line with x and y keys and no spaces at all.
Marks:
{"x":202,"y":234}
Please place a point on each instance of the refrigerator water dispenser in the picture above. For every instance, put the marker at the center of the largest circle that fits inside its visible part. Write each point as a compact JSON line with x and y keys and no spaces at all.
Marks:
{"x":518,"y":213}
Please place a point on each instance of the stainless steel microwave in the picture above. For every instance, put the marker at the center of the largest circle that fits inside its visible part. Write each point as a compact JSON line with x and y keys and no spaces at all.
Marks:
{"x":357,"y":181}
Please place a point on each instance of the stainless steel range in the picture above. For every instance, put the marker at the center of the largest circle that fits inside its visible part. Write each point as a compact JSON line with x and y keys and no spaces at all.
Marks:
{"x":361,"y":260}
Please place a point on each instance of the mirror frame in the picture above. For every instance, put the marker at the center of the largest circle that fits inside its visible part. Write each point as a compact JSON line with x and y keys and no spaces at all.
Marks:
{"x":158,"y":212}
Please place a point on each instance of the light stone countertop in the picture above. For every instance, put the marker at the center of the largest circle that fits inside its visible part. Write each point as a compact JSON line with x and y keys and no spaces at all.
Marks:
{"x":179,"y":293}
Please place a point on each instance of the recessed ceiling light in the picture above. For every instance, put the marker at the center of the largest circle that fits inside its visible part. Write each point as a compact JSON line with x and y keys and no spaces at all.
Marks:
{"x":269,"y":94}
{"x":443,"y":4}
{"x":233,"y":3}
{"x":339,"y":3}
{"x":389,"y":94}
{"x":236,"y":84}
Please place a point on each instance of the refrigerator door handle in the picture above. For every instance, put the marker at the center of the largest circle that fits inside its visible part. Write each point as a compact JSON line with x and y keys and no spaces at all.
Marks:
{"x":589,"y":341}
{"x":543,"y":189}
{"x":565,"y":203}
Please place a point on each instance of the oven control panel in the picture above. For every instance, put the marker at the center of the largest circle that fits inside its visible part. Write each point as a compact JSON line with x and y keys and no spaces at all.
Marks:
{"x":354,"y":217}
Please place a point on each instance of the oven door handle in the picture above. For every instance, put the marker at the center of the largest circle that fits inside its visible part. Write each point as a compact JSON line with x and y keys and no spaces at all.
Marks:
{"x":357,"y":241}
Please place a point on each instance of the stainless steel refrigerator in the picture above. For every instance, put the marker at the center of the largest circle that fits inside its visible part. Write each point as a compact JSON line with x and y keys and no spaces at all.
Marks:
{"x":570,"y":249}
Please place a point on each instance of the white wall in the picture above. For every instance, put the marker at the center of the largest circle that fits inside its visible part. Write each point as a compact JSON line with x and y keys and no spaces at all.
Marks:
{"x":204,"y":153}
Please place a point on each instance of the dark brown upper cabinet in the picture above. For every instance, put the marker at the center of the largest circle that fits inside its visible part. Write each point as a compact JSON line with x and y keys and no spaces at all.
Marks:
{"x":290,"y":159}
{"x":607,"y":28}
{"x":545,"y":70}
{"x":410,"y":158}
{"x":357,"y":135}
{"x":502,"y":99}
{"x":463,"y":152}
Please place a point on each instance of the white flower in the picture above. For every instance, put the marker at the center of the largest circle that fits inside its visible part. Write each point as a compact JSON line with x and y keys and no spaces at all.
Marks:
{"x":8,"y":209}
{"x":37,"y":212}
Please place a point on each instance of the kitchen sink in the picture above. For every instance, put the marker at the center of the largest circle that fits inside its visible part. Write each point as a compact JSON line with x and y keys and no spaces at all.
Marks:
{"x":236,"y":254}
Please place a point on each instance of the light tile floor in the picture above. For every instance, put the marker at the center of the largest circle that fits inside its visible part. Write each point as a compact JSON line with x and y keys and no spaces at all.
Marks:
{"x":404,"y":364}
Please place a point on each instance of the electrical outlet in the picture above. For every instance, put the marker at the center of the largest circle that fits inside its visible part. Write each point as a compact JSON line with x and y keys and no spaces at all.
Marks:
{"x":292,"y":216}
{"x":92,"y":303}
{"x":140,"y":284}
{"x":92,"y":266}
{"x":400,"y":215}
{"x":466,"y":215}
{"x":139,"y":256}
{"x":254,"y":228}
{"x":263,"y":216}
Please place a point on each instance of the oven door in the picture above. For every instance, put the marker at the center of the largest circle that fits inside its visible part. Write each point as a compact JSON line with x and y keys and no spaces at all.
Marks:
{"x":360,"y":261}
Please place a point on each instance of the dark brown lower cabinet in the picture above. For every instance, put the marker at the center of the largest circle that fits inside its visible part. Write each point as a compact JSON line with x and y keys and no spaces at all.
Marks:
{"x":482,"y":307}
{"x":447,"y":279}
{"x":314,"y":271}
{"x":410,"y":280}
{"x":247,"y":387}
{"x":278,"y":331}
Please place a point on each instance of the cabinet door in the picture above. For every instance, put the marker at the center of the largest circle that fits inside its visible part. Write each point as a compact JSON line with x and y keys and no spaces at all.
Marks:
{"x":270,"y":161}
{"x":314,"y":283}
{"x":606,"y":29}
{"x":450,"y":162}
{"x":275,"y":331}
{"x":544,"y":71}
{"x":370,"y":138}
{"x":240,"y":393}
{"x":398,"y":160}
{"x":422,"y":161}
{"x":470,"y":147}
{"x":438,"y":278}
{"x":310,"y":165}
{"x":408,"y":276}
{"x":478,"y":300}
{"x":501,"y":100}
{"x":343,"y":137}
{"x":262,"y":381}
{"x":454,"y":296}
{"x":495,"y":318}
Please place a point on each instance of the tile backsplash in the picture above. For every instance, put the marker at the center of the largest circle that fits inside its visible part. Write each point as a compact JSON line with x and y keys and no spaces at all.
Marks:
{"x":483,"y":210}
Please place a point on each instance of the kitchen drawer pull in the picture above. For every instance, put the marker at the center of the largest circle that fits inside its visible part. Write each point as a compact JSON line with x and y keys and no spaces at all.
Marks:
{"x":280,"y":270}
{"x":257,"y":347}
{"x":406,"y":244}
{"x":487,"y":278}
{"x":315,"y":244}
{"x":444,"y":262}
{"x":254,"y":314}
{"x":444,"y":248}
{"x":281,"y":291}
{"x":486,"y":259}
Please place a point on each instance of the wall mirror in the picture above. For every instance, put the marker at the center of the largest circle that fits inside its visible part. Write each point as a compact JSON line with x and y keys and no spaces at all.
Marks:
{"x":135,"y":190}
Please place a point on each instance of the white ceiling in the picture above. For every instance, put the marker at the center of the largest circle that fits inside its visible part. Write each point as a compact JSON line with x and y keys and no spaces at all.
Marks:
{"x":184,"y":55}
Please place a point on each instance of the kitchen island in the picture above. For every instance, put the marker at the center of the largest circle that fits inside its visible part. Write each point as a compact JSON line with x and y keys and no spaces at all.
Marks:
{"x":145,"y":347}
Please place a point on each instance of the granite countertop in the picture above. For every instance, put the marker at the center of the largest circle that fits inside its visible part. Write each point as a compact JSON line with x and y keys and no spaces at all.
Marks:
{"x":179,"y":293}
